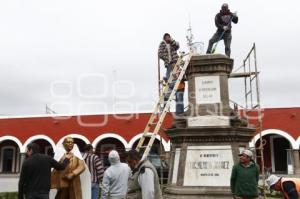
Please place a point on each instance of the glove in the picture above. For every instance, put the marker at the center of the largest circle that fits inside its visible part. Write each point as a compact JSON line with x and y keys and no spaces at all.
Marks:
{"x":225,"y":28}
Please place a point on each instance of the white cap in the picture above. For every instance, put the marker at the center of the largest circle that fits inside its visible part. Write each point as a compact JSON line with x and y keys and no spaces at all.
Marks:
{"x":247,"y":153}
{"x":272,"y":179}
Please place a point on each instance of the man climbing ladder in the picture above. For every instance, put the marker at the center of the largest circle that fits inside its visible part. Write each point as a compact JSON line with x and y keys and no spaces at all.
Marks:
{"x":167,"y":51}
{"x":154,"y":124}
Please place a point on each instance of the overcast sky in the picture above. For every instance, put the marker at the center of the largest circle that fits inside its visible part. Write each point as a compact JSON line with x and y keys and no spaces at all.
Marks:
{"x":93,"y":56}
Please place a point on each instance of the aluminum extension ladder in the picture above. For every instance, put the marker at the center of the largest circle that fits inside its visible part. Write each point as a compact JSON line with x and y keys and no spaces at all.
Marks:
{"x":154,"y":124}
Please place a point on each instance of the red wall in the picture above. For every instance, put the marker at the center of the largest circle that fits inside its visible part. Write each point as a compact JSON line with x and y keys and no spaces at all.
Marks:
{"x":285,"y":119}
{"x":93,"y":125}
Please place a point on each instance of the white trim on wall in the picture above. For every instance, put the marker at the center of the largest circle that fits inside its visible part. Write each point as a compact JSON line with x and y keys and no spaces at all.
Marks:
{"x":37,"y":137}
{"x":138,"y":136}
{"x":110,"y":135}
{"x":11,"y":138}
{"x":293,"y":142}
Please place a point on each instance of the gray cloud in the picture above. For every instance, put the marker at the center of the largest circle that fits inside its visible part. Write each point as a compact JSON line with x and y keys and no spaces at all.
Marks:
{"x":44,"y":42}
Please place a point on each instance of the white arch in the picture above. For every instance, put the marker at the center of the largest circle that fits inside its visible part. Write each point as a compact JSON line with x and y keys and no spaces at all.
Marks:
{"x":110,"y":135}
{"x":37,"y":137}
{"x":287,"y":136}
{"x":298,"y":142}
{"x":12,"y":138}
{"x":138,"y":136}
{"x":87,"y":141}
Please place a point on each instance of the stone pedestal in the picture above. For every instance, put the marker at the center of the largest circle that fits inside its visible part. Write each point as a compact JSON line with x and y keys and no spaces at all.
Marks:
{"x":206,"y":142}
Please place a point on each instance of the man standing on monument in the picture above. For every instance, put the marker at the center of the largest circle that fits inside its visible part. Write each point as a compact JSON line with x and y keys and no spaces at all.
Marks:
{"x":244,"y":177}
{"x":74,"y":182}
{"x":223,"y":22}
{"x":144,"y":182}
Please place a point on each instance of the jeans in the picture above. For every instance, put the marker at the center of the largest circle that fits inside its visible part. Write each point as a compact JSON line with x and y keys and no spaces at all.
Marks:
{"x":227,"y":37}
{"x":179,"y":102}
{"x":37,"y":196}
{"x":95,"y":190}
{"x":169,"y":68}
{"x":171,"y":86}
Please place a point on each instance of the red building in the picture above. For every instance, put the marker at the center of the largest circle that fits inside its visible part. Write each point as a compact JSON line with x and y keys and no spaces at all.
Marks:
{"x":281,"y":130}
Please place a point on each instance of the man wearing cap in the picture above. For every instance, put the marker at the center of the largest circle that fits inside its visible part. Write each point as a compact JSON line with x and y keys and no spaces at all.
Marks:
{"x":244,"y":177}
{"x":290,"y":187}
{"x":223,"y":23}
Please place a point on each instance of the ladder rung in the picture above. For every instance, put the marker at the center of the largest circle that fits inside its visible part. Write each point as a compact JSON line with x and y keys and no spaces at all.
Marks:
{"x":248,"y":93}
{"x":143,"y":147}
{"x":255,"y":106}
{"x":153,"y":123}
{"x":252,"y":78}
{"x":147,"y":134}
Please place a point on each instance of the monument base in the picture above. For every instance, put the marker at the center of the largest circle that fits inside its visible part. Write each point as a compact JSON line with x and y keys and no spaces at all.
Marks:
{"x":177,"y":192}
{"x":202,"y":159}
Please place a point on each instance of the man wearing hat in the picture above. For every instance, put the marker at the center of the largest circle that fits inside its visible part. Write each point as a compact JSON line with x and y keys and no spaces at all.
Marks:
{"x":244,"y":177}
{"x":290,"y":187}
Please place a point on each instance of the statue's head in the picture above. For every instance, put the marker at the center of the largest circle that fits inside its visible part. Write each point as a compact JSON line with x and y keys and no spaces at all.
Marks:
{"x":68,"y":144}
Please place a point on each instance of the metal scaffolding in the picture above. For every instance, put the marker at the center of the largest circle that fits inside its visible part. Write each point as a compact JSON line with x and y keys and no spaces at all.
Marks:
{"x":249,"y":71}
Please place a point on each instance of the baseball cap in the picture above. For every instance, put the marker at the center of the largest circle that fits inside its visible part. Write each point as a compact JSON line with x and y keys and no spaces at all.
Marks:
{"x":272,"y":179}
{"x":247,"y":153}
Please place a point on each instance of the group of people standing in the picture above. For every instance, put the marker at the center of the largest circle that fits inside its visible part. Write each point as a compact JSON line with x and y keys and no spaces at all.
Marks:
{"x":72,"y":175}
{"x":79,"y":176}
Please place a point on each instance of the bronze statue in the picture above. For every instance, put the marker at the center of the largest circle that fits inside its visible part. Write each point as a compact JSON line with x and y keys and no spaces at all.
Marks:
{"x":67,"y":182}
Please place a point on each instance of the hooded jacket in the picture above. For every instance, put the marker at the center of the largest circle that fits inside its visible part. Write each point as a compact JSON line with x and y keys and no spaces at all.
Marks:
{"x":115,"y":178}
{"x":224,"y":19}
{"x":169,"y":56}
{"x":244,"y":180}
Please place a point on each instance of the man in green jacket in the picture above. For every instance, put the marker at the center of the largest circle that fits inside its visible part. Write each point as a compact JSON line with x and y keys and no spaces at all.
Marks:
{"x":244,"y":177}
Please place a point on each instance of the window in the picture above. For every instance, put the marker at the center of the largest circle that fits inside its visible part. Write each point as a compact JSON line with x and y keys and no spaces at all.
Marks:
{"x":8,"y":159}
{"x":105,"y":149}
